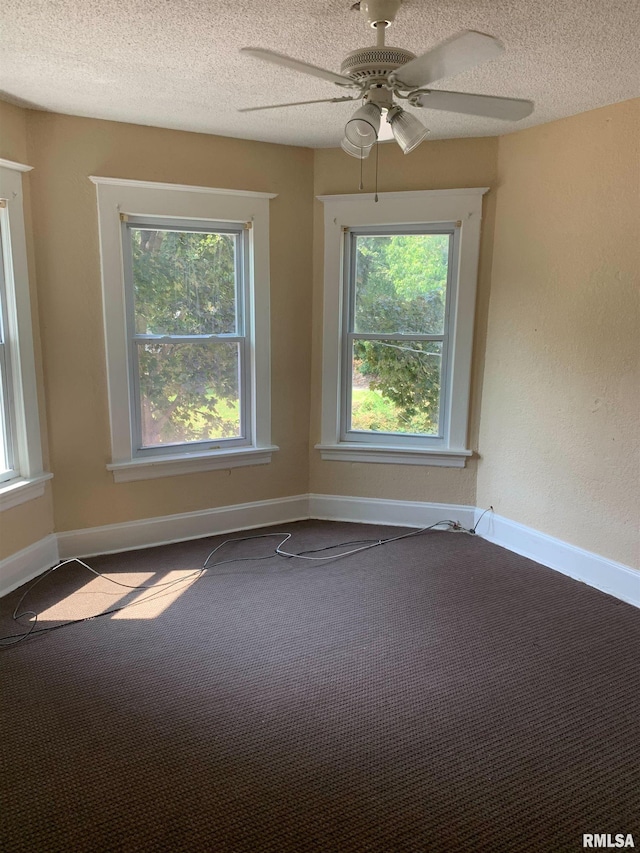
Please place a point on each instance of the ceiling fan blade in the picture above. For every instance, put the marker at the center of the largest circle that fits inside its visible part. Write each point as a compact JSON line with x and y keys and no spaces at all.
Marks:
{"x":297,"y":65}
{"x":508,"y":109}
{"x":459,"y":53}
{"x":299,"y":103}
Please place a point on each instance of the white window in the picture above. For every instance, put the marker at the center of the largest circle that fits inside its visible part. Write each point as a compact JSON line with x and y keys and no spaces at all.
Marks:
{"x":400,"y":282}
{"x":21,"y":474}
{"x":185,"y":275}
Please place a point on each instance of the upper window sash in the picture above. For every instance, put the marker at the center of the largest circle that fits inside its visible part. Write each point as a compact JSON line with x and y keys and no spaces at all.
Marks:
{"x":241,"y":258}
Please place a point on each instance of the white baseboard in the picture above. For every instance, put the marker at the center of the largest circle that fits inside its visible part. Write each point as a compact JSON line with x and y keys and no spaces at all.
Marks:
{"x":28,"y":563}
{"x":395,"y":513}
{"x":605,"y":575}
{"x":147,"y":532}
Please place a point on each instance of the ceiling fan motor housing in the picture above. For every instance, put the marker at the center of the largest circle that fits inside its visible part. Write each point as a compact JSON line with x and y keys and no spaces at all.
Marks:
{"x":368,"y":63}
{"x":380,"y":11}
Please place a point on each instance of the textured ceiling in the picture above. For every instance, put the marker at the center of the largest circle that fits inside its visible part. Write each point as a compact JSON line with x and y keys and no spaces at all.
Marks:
{"x":175,"y":63}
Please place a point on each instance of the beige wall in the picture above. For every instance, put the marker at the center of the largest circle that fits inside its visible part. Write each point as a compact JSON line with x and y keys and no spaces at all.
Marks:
{"x":65,"y":150}
{"x":27,"y":523}
{"x":558,"y":381}
{"x":560,"y":406}
{"x":13,"y":133}
{"x":434,"y":165}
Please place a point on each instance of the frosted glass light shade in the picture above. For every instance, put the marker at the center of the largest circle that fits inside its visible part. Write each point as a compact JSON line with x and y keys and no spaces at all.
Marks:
{"x":355,"y":150}
{"x":407,"y":130}
{"x":362,"y":128}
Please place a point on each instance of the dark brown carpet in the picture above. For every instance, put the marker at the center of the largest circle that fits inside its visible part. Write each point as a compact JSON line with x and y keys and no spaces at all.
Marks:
{"x":435,"y":694}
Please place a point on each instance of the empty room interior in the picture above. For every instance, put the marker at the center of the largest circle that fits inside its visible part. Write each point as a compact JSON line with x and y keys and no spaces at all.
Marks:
{"x":319,"y":443}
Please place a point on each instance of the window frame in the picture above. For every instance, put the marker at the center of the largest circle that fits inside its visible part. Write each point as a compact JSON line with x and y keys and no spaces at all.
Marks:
{"x":26,"y":478}
{"x":439,"y":210}
{"x":349,"y":335}
{"x":121,"y":201}
{"x":242,"y":280}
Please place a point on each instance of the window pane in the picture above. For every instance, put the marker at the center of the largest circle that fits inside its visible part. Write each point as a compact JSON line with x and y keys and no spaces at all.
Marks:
{"x":401,"y":283}
{"x":5,"y":460}
{"x":396,"y":386}
{"x":184,"y":282}
{"x":189,"y":392}
{"x":5,"y":438}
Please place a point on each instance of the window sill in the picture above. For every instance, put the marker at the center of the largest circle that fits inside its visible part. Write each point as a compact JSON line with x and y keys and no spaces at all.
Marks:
{"x":21,"y":490}
{"x":392,"y":454}
{"x":152,"y":467}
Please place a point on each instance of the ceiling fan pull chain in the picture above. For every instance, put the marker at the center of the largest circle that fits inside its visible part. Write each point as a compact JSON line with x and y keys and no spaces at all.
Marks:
{"x":375,"y":198}
{"x":361,"y":159}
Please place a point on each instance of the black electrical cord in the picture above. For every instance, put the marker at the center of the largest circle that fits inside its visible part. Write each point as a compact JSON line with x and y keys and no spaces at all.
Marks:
{"x":475,"y":526}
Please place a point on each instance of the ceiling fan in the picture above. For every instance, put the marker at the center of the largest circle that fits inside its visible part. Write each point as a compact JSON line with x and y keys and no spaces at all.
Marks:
{"x":380,"y":73}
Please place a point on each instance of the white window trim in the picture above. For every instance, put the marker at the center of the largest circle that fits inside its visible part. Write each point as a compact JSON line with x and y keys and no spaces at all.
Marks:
{"x":118,"y":196}
{"x":30,"y":478}
{"x":22,"y":489}
{"x":463,"y":206}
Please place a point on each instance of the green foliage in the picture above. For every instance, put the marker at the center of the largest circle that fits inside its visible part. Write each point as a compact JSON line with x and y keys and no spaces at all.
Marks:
{"x":189,"y":392}
{"x":184,"y":284}
{"x":407,"y":374}
{"x":418,"y":263}
{"x":401,"y":288}
{"x":372,"y":412}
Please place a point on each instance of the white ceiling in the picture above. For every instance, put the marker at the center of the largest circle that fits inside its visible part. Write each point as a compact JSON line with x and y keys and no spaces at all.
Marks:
{"x":175,"y":63}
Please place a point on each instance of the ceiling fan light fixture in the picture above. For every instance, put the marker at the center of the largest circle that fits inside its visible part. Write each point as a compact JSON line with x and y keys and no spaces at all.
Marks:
{"x":355,"y":150}
{"x":362,"y":128}
{"x":408,"y":131}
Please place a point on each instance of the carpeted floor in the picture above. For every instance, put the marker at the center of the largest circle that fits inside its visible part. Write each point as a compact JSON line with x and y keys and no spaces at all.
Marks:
{"x":434,"y":694}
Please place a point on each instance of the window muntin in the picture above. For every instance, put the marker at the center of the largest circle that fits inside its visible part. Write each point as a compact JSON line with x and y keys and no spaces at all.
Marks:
{"x":7,"y":451}
{"x":396,"y":333}
{"x":188,"y":348}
